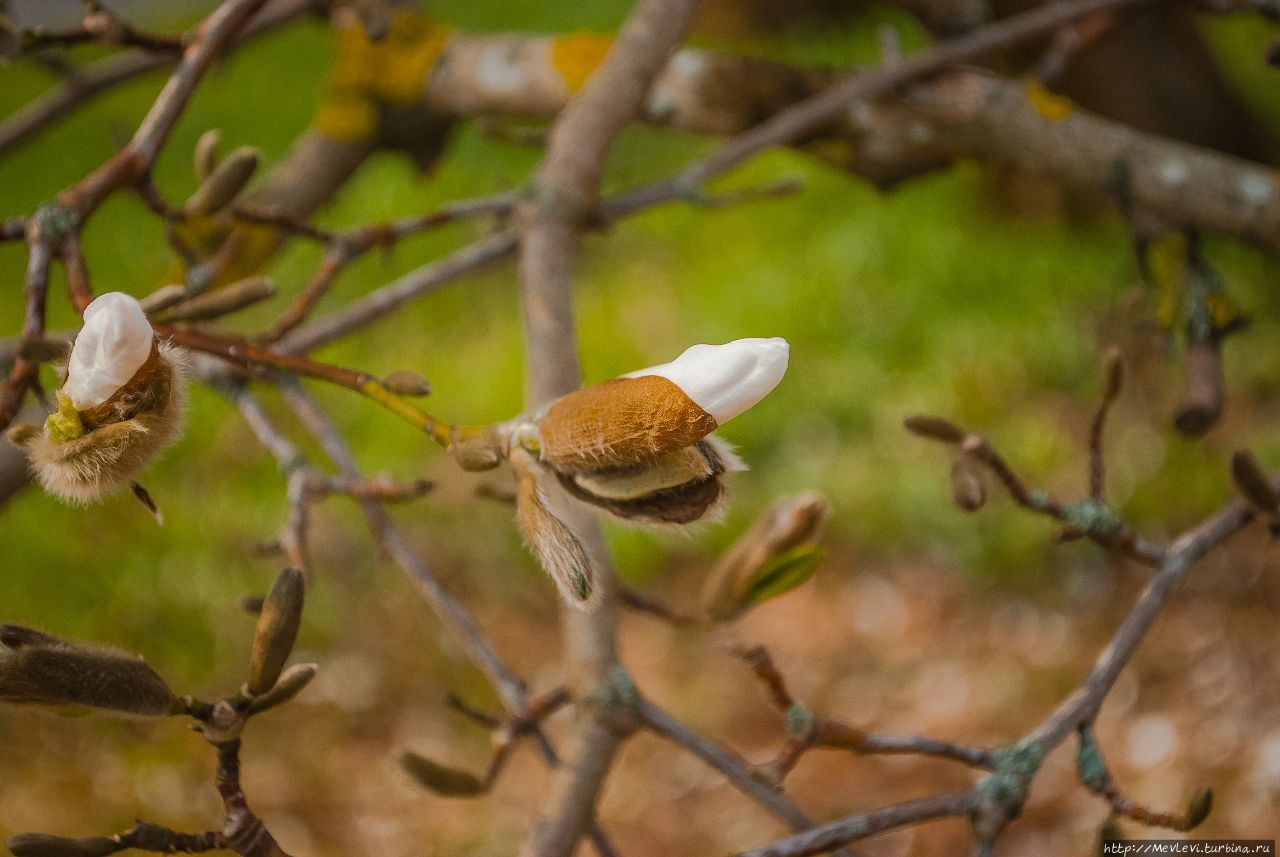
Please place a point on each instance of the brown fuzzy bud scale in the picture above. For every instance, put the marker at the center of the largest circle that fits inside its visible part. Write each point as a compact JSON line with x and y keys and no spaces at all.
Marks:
{"x":620,"y":423}
{"x":74,"y":674}
{"x":550,"y":539}
{"x":17,"y":636}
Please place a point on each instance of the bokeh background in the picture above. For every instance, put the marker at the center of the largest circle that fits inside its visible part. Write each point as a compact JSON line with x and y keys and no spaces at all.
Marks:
{"x":942,"y":296}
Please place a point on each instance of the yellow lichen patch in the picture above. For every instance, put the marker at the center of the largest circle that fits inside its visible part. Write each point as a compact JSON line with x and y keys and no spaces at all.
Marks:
{"x":203,"y":235}
{"x":407,"y":55}
{"x":1224,"y":313}
{"x":1048,"y":104}
{"x":1167,"y":261}
{"x":250,"y":245}
{"x":349,"y":117}
{"x":576,"y":55}
{"x":365,"y":73}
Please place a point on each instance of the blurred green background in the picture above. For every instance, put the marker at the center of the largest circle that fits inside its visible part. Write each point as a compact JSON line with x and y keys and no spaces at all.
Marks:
{"x":925,"y":299}
{"x":931,"y":298}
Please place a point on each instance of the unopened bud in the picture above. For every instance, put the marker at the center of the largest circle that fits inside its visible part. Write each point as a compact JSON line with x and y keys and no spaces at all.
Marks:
{"x":968,"y":484}
{"x":406,"y":383}
{"x":476,"y":453}
{"x":42,"y":845}
{"x":443,"y":780}
{"x":224,"y":300}
{"x":163,"y":298}
{"x":935,"y":428}
{"x":290,"y":684}
{"x":224,"y":184}
{"x":661,"y":409}
{"x":1253,"y":483}
{"x":776,"y":554}
{"x":277,"y":630}
{"x":65,"y":673}
{"x":206,"y":153}
{"x":1198,"y":809}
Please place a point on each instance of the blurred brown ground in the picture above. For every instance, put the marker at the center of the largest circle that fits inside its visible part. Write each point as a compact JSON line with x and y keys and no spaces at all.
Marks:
{"x":888,"y":645}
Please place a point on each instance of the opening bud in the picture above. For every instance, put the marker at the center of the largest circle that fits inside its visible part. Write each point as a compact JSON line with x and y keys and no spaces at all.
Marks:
{"x":120,"y":406}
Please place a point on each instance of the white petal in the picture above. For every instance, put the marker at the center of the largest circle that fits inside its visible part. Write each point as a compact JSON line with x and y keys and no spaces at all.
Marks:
{"x":113,"y":344}
{"x":725,"y":380}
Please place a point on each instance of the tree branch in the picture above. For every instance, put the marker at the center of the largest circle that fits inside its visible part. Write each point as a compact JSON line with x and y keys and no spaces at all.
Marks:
{"x":566,"y":190}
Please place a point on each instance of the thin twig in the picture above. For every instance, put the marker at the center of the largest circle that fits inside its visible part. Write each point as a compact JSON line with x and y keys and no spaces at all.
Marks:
{"x":828,"y":836}
{"x":106,"y":74}
{"x":509,"y":687}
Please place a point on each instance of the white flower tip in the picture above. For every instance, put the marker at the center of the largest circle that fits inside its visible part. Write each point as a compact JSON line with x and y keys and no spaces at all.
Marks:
{"x":111,"y":347}
{"x":725,"y":380}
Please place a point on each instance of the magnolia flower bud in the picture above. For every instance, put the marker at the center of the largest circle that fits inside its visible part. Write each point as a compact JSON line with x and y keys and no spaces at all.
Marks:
{"x":120,"y":406}
{"x":639,"y":447}
{"x":109,"y":350}
{"x":644,"y":414}
{"x":725,"y":380}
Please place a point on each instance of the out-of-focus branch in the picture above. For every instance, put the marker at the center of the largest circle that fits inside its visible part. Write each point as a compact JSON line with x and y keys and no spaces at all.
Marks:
{"x":13,"y":228}
{"x":100,"y":26}
{"x":343,"y":249}
{"x":509,"y":687}
{"x":934,"y":119}
{"x":105,"y":74}
{"x":828,"y":836}
{"x":49,"y":229}
{"x":1090,"y":517}
{"x":565,"y":193}
{"x":808,"y":731}
{"x":734,"y":768}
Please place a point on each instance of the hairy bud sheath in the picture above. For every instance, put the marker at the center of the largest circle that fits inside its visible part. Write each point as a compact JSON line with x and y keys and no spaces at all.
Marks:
{"x":550,"y":539}
{"x":639,"y":446}
{"x":120,"y":406}
{"x":38,"y":669}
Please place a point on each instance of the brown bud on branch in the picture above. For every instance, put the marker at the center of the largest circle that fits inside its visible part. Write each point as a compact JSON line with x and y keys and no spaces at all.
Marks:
{"x":441,"y":779}
{"x":968,"y":484}
{"x":290,"y":684}
{"x":406,"y":383}
{"x":935,"y":428}
{"x":277,"y":630}
{"x":776,"y":554}
{"x":206,"y":154}
{"x":223,"y":301}
{"x":224,"y":184}
{"x":1253,"y":483}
